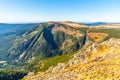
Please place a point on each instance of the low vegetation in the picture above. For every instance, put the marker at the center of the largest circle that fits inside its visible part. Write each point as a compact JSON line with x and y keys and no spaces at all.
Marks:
{"x":12,"y":74}
{"x":39,"y":64}
{"x":112,"y":33}
{"x":96,"y":37}
{"x":103,"y":63}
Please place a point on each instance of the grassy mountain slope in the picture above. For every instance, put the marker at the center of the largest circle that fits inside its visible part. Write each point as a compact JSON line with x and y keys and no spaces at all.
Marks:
{"x":100,"y":63}
{"x":47,"y":40}
{"x":98,"y":59}
{"x":64,"y":50}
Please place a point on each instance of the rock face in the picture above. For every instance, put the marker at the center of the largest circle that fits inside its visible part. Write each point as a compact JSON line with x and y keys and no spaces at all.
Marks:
{"x":47,"y":39}
{"x":102,"y":62}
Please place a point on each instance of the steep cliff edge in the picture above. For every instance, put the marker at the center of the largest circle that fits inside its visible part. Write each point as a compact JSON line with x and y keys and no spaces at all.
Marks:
{"x":47,"y":40}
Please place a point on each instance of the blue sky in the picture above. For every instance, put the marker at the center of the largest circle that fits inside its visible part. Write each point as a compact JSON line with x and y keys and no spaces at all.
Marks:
{"x":59,"y":10}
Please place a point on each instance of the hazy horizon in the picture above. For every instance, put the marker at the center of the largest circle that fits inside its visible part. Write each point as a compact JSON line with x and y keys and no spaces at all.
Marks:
{"x":35,"y":11}
{"x":32,"y":22}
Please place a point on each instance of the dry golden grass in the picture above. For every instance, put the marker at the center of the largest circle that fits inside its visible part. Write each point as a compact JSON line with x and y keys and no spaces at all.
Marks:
{"x":103,"y":64}
{"x":66,"y":44}
{"x":100,"y":70}
{"x":97,"y":37}
{"x":68,"y":31}
{"x":72,"y":24}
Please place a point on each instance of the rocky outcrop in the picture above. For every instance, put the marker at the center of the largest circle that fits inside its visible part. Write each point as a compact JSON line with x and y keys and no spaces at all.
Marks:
{"x":102,"y":63}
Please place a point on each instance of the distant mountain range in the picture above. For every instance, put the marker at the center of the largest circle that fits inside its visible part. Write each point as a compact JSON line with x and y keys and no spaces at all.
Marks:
{"x":10,"y":32}
{"x":95,"y":24}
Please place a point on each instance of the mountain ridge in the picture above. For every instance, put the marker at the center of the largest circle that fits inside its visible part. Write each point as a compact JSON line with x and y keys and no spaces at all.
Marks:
{"x":50,"y":47}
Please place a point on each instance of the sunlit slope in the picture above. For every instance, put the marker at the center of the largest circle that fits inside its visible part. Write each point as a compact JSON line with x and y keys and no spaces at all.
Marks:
{"x":100,"y":63}
{"x":47,"y":40}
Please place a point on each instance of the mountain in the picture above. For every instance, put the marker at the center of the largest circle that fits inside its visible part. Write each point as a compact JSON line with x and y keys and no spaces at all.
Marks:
{"x":99,"y":61}
{"x":96,"y":58}
{"x":95,"y":24}
{"x":57,"y":38}
{"x":47,"y":40}
{"x":11,"y":29}
{"x":10,"y":32}
{"x":64,"y":50}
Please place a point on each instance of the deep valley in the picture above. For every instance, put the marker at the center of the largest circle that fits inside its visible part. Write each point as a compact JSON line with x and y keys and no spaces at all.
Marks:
{"x":60,"y":51}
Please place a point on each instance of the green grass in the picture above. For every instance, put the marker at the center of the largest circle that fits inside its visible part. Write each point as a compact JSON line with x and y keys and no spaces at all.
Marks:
{"x":48,"y":62}
{"x":112,"y":33}
{"x":53,"y":61}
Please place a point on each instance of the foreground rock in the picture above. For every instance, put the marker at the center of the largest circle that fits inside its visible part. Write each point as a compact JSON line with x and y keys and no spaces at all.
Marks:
{"x":103,"y":63}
